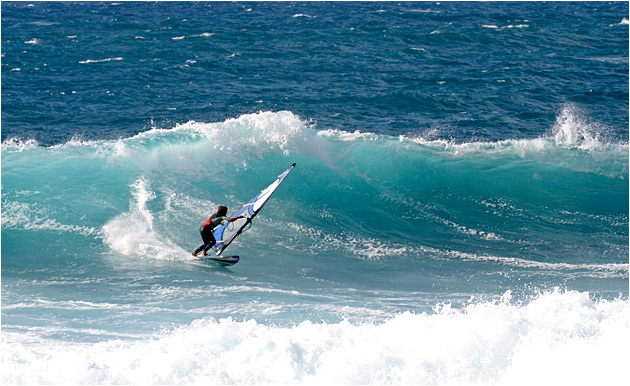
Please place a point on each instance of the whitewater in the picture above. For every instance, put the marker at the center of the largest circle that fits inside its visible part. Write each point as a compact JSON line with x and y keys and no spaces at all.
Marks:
{"x":564,"y":336}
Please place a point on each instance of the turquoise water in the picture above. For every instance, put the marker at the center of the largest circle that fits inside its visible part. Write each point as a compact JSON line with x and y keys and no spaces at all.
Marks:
{"x":451,"y":219}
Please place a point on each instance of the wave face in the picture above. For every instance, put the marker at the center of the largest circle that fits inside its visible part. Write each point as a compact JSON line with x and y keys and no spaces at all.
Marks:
{"x":372,"y":239}
{"x":557,"y":198}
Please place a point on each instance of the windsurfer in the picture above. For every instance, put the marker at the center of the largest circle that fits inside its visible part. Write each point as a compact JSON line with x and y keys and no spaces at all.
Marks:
{"x":207,"y":229}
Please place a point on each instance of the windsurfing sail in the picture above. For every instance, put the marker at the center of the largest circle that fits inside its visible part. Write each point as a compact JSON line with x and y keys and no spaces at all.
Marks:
{"x":226,"y":233}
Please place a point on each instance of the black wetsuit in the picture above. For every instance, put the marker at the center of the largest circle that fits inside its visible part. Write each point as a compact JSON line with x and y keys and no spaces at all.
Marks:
{"x":206,"y":232}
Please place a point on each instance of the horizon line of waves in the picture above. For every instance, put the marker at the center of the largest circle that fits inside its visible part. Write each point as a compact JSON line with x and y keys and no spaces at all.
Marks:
{"x":77,"y":140}
{"x":563,"y":335}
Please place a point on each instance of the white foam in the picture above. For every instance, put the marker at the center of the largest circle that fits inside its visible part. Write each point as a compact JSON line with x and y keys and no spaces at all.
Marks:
{"x":509,"y":26}
{"x":251,"y":136}
{"x":201,"y":35}
{"x":246,"y":130}
{"x":623,"y":21}
{"x":317,"y":241}
{"x":573,"y":129}
{"x":76,"y":141}
{"x":574,"y":142}
{"x":558,"y":337}
{"x":64,"y":305}
{"x":602,"y":271}
{"x":347,"y":136}
{"x":132,"y":233}
{"x":88,"y":61}
{"x":17,"y":144}
{"x":254,"y":135}
{"x":190,"y":146}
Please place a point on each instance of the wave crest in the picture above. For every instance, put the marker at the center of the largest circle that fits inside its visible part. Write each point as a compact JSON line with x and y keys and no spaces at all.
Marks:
{"x":573,"y":129}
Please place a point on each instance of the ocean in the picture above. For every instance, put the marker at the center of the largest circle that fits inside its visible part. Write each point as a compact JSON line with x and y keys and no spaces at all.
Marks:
{"x":458,"y":213}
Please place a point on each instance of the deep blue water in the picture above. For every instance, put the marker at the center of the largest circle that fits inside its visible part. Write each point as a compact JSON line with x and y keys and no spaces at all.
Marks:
{"x":475,"y":71}
{"x":458,"y":212}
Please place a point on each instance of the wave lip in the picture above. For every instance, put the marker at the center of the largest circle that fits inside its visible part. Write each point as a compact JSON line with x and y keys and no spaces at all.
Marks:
{"x":19,"y":145}
{"x":572,"y":129}
{"x":574,"y":142}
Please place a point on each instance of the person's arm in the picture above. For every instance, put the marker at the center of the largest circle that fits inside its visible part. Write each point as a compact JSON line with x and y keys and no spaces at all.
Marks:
{"x":232,"y":219}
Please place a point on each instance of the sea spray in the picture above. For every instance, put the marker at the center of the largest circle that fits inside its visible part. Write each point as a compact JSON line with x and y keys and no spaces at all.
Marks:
{"x":133,"y":233}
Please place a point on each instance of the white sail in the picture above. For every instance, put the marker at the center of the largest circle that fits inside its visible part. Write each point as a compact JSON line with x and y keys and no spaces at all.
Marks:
{"x":227,"y":232}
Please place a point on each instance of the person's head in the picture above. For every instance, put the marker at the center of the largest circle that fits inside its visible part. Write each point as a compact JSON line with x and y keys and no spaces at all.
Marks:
{"x":223,"y":210}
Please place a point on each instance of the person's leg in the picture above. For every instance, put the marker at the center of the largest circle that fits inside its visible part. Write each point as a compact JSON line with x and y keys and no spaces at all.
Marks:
{"x":207,"y":237}
{"x":211,"y":242}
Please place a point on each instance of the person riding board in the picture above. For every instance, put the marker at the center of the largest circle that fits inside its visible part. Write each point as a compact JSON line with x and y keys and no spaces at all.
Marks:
{"x":207,"y":229}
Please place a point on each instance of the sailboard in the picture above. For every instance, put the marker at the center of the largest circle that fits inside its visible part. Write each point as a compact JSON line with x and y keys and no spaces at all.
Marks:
{"x":221,"y":260}
{"x":227,"y":232}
